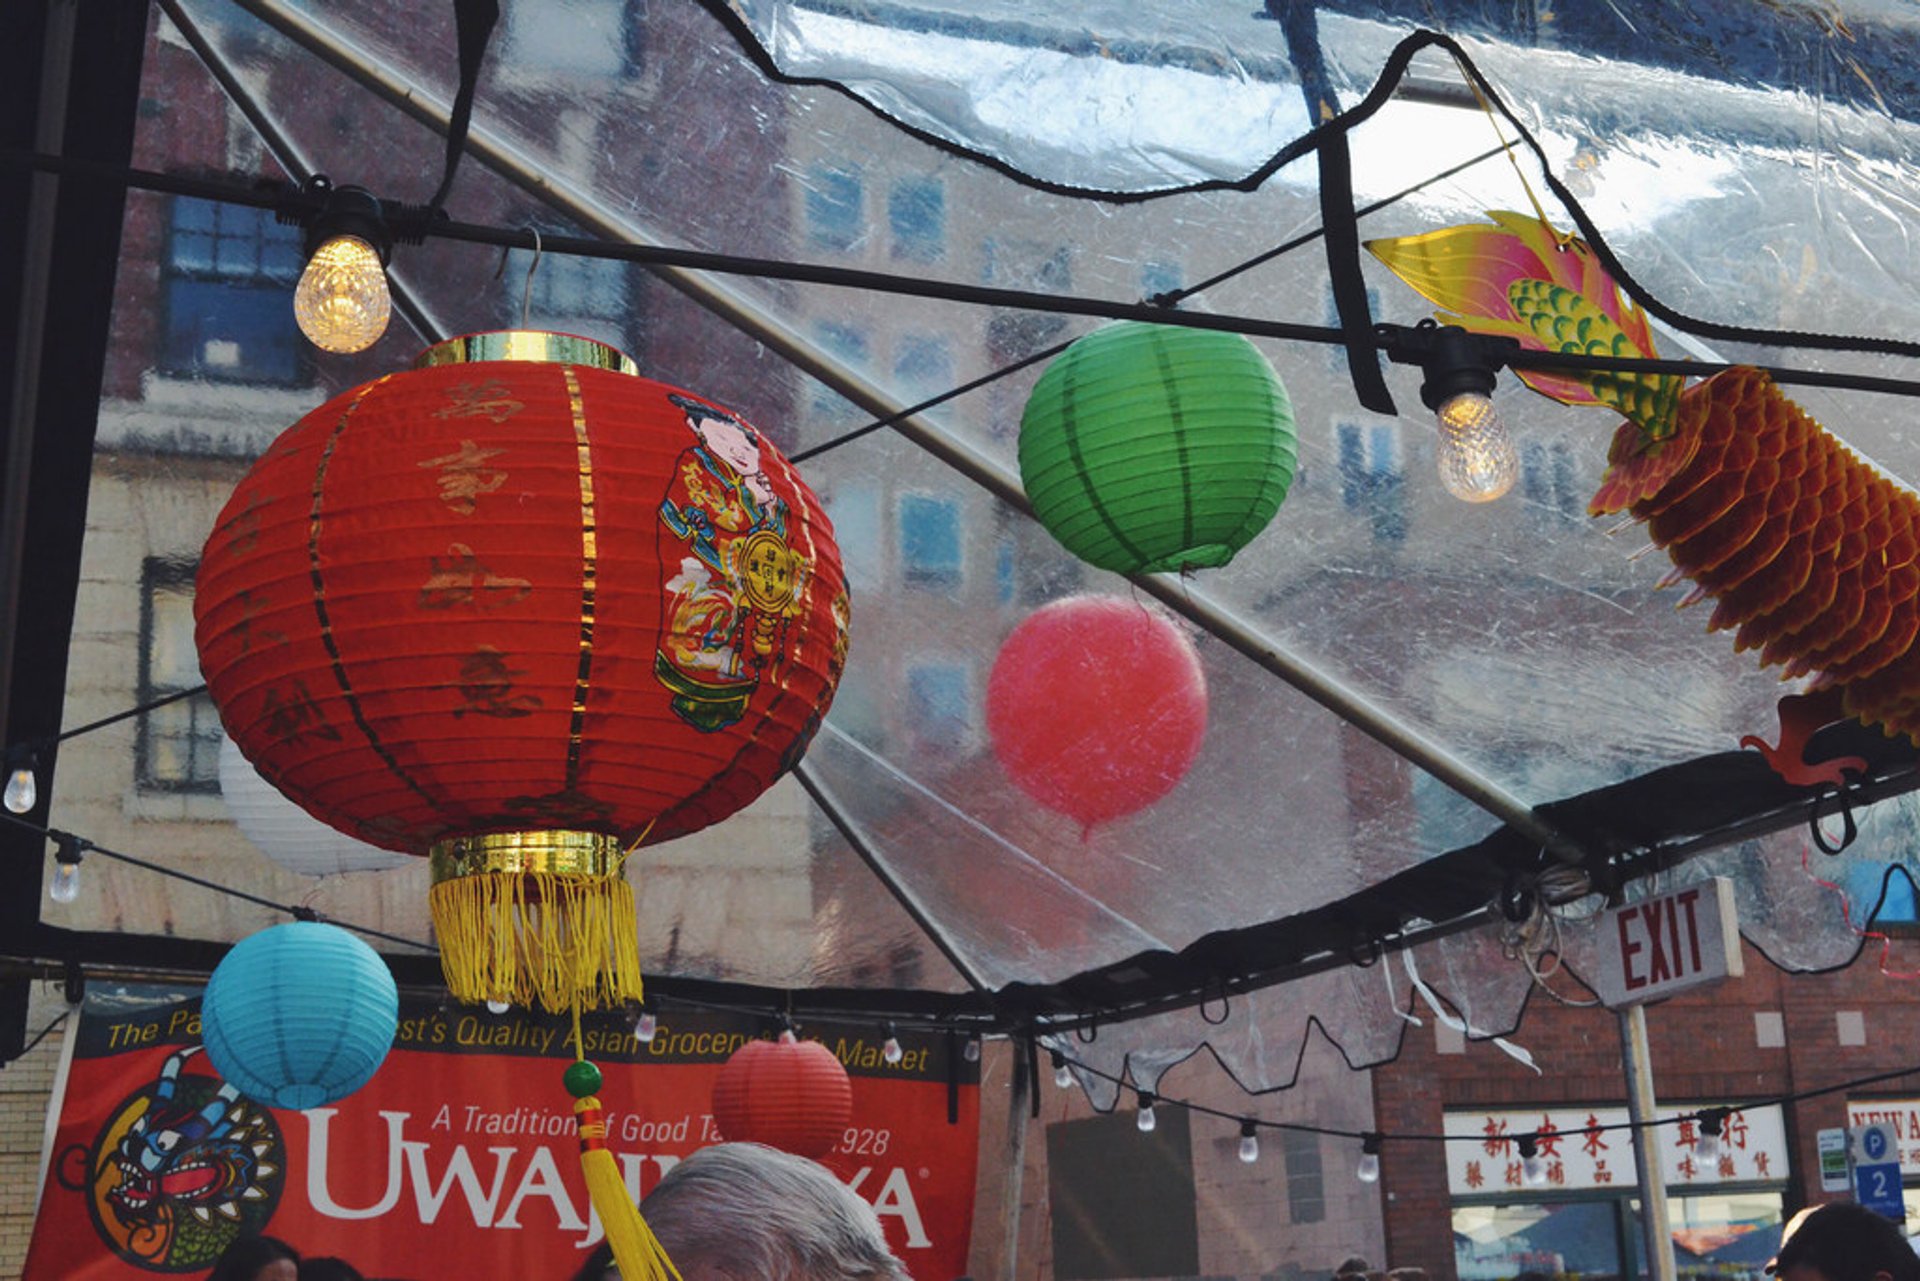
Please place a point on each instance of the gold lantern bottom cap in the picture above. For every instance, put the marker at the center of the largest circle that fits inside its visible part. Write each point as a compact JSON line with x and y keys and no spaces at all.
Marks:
{"x":536,"y":918}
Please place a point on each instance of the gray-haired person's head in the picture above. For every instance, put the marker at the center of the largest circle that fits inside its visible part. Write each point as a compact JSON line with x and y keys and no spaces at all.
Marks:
{"x":745,"y":1212}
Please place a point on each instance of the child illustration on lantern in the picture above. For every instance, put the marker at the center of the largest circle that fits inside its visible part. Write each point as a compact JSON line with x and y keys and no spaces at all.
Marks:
{"x":729,"y":595}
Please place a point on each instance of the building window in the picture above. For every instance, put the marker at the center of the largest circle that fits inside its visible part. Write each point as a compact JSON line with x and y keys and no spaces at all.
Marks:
{"x":1306,"y":1193}
{"x":1026,"y":264}
{"x":929,"y":541}
{"x":1546,"y":479}
{"x":854,"y":510}
{"x":940,"y":706}
{"x":229,"y":278}
{"x":585,"y":296}
{"x":917,"y":215}
{"x":176,"y":746}
{"x":922,"y":369}
{"x":834,"y":219}
{"x":1371,"y":476}
{"x":578,"y":39}
{"x":847,"y":345}
{"x":1158,"y":278}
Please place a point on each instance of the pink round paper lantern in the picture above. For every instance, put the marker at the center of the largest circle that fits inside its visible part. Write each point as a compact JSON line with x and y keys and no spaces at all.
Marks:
{"x":1096,"y":707}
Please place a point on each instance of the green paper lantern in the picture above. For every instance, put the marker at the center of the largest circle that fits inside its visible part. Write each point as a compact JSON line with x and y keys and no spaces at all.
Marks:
{"x":1156,"y":448}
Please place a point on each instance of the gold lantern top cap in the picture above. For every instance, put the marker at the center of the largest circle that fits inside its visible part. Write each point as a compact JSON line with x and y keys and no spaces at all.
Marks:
{"x":537,"y":345}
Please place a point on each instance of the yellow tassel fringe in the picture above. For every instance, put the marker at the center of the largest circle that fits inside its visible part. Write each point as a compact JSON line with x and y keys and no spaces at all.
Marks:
{"x":550,"y":939}
{"x":636,"y":1250}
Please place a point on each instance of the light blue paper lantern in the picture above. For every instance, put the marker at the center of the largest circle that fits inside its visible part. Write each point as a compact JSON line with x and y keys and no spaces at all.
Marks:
{"x":299,"y":1015}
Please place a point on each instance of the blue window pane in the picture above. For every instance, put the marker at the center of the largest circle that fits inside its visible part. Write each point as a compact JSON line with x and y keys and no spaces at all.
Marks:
{"x":939,"y":705}
{"x":232,"y":241}
{"x":280,"y":257}
{"x":231,"y":331}
{"x":1158,"y":278}
{"x":922,"y":369}
{"x":929,"y":541}
{"x":917,"y":215}
{"x":1370,"y":477}
{"x":833,"y":208}
{"x":194,"y":215}
{"x":849,"y":345}
{"x":855,"y":512}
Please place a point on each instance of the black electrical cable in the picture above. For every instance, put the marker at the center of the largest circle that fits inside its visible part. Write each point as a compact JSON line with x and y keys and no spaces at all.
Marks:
{"x":294,"y":910}
{"x":1385,"y":336}
{"x":1364,"y":1135}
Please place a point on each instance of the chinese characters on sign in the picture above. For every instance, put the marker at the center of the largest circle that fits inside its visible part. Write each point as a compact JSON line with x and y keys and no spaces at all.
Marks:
{"x":1582,"y":1150}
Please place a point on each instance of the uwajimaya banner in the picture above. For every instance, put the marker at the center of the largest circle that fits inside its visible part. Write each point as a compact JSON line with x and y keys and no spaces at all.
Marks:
{"x":459,"y":1158}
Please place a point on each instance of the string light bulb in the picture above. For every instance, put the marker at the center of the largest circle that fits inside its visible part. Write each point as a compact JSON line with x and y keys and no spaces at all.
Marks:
{"x":1249,"y":1141}
{"x":1533,"y":1167}
{"x":645,"y":1027}
{"x":22,"y":790}
{"x":1062,"y":1074}
{"x":497,"y":1008}
{"x":972,"y":1049}
{"x":890,"y":1050}
{"x":1368,"y":1171}
{"x":342,"y":302}
{"x":65,"y":886}
{"x":1706,"y":1145}
{"x":1477,"y":460}
{"x":1145,"y":1118}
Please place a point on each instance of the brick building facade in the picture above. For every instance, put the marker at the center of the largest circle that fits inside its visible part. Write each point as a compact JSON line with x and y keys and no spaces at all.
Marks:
{"x":1767,"y":1035}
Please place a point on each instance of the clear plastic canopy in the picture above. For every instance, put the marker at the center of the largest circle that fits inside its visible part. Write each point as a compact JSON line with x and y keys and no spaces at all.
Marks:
{"x":1392,"y":675}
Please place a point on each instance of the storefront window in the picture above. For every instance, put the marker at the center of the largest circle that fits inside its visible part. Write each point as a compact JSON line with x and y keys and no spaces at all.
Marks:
{"x":1503,"y":1242}
{"x":1716,"y":1237}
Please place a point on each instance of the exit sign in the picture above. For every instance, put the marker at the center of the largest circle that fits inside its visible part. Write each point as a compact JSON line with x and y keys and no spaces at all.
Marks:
{"x":1668,"y":943}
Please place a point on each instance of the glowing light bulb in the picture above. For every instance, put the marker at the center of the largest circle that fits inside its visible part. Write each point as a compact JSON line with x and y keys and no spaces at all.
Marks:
{"x":1368,"y":1171}
{"x":498,"y":1007}
{"x":342,"y":303}
{"x":22,"y":792}
{"x":890,"y":1048}
{"x":972,"y":1050}
{"x":1249,"y":1142}
{"x":1062,"y":1074}
{"x":66,"y":882}
{"x":646,"y":1027}
{"x":1145,"y":1120}
{"x":1477,"y":459}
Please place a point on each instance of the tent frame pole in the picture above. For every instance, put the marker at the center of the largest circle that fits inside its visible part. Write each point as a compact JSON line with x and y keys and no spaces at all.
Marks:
{"x":1655,"y":1231}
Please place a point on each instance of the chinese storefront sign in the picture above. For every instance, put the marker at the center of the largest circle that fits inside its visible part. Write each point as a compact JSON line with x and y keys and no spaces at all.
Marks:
{"x":1582,"y":1153}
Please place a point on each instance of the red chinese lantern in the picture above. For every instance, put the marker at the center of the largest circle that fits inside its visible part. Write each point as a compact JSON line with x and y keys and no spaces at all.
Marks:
{"x":521,"y":611}
{"x":1096,"y":706}
{"x":788,"y":1094}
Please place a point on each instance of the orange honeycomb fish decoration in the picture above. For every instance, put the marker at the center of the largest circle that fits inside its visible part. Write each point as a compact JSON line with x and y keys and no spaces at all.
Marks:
{"x":1811,"y":556}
